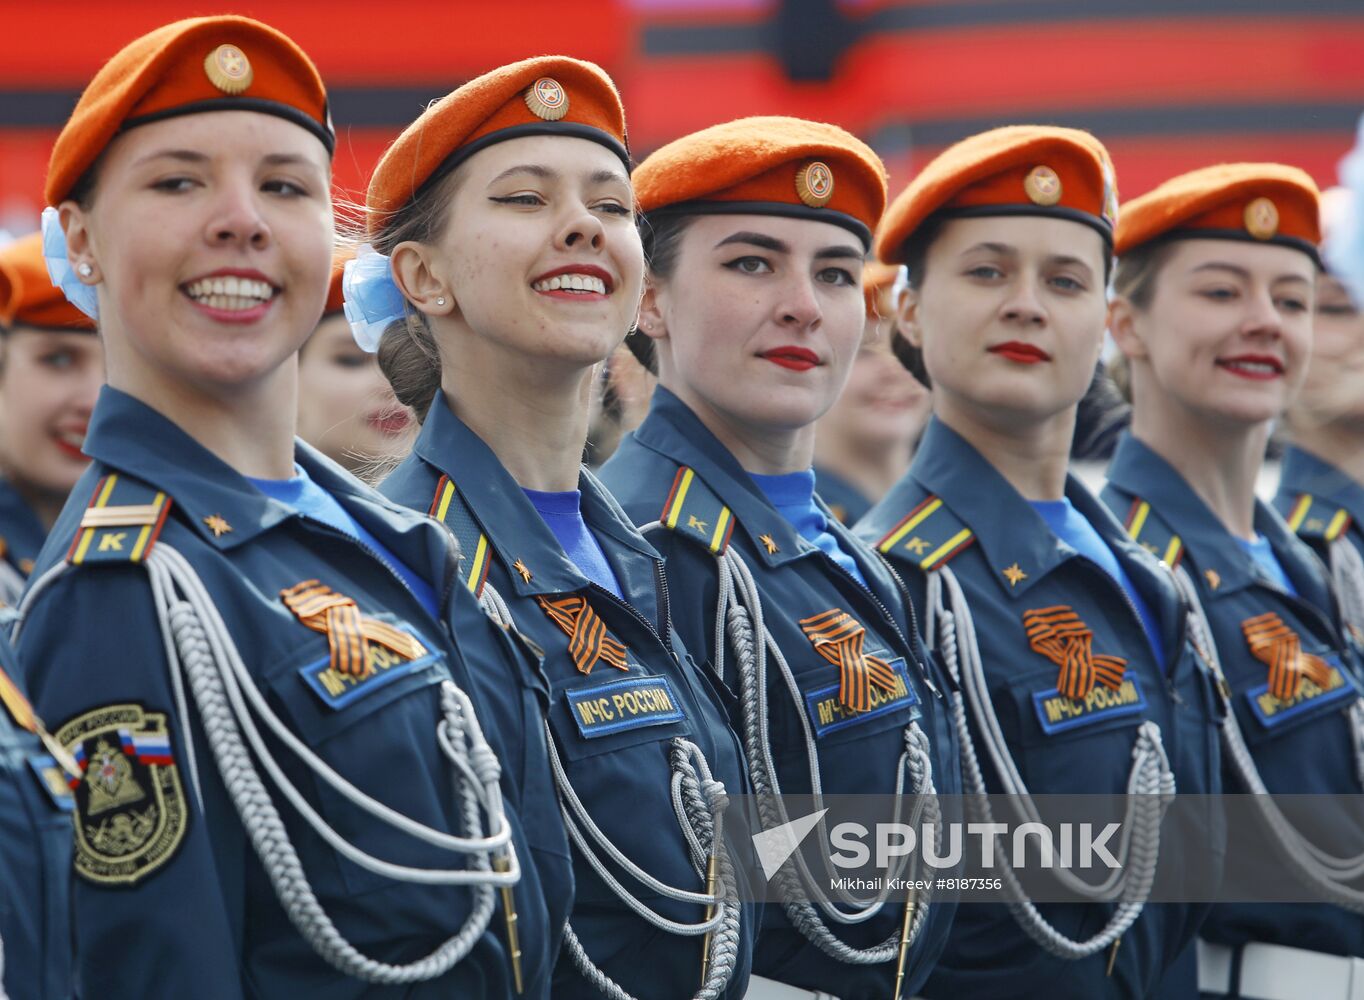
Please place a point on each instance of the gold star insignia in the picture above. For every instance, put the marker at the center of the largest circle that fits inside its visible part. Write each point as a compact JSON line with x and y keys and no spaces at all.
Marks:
{"x":218,"y":525}
{"x":1014,"y":574}
{"x":1214,"y":581}
{"x":520,"y":567}
{"x":917,"y":545}
{"x":768,"y":543}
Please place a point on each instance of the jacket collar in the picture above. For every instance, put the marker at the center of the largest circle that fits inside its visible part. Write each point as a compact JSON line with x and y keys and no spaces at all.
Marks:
{"x":674,"y":431}
{"x":1138,"y":471}
{"x":129,"y":435}
{"x":1013,"y":537}
{"x":515,"y":529}
{"x":1304,"y":472}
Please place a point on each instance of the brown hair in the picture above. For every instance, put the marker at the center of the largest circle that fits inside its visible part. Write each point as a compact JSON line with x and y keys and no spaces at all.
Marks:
{"x":662,"y":239}
{"x":1135,"y":280}
{"x":408,"y":355}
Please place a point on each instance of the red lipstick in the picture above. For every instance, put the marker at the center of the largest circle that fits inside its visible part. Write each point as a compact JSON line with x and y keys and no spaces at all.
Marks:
{"x":1021,"y":353}
{"x":796,"y":359}
{"x":1255,"y":367}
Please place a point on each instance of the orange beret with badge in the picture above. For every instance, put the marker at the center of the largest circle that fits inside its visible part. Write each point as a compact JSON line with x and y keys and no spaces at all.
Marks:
{"x":27,"y":295}
{"x":1255,"y":202}
{"x":767,"y":166}
{"x":1017,"y":170}
{"x":225,"y":63}
{"x":548,"y":95}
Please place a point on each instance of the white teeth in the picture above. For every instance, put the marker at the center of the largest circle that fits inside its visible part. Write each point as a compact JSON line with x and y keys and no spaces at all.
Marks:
{"x":1258,"y":367}
{"x":230,"y":292}
{"x":72,"y":438}
{"x":572,"y":283}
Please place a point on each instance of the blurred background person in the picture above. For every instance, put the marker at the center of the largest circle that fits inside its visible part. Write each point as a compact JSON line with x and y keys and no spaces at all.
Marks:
{"x":346,"y":408}
{"x":51,"y":368}
{"x":620,"y":400}
{"x":865,"y":441}
{"x":1321,"y":485}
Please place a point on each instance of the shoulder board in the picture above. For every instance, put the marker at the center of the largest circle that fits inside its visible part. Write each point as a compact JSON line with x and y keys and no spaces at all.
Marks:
{"x":1312,"y":517}
{"x":929,"y":536}
{"x":449,"y":508}
{"x":121,"y":524}
{"x":694,"y":511}
{"x":1149,"y":530}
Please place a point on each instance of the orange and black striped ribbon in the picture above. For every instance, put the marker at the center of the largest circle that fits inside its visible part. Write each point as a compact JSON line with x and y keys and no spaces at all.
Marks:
{"x":839,"y":638}
{"x":588,"y":640}
{"x":1059,"y":635}
{"x":348,"y":632}
{"x":1278,"y":647}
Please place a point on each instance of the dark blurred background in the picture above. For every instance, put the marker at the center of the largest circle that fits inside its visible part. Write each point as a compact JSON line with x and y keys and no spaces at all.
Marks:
{"x":1167,"y":84}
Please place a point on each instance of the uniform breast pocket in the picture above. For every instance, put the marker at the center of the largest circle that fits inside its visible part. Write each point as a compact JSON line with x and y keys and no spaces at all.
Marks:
{"x":614,"y":737}
{"x":1265,"y":717}
{"x":378,"y":732}
{"x":1072,"y":744}
{"x":834,"y":716}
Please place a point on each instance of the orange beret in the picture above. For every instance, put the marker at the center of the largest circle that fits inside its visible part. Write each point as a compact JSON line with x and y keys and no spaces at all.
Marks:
{"x":27,"y":294}
{"x":1258,"y":202}
{"x":225,"y":63}
{"x":876,"y":277}
{"x":767,"y":166}
{"x":336,"y":300}
{"x":548,"y":95}
{"x":1017,"y":170}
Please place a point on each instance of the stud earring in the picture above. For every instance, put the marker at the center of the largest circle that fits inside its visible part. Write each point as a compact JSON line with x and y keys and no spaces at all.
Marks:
{"x":85,"y":270}
{"x":440,"y":301}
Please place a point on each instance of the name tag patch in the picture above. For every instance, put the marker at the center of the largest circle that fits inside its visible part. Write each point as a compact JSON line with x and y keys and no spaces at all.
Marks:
{"x":1057,"y":713}
{"x":1272,"y":711}
{"x":632,"y":703}
{"x":53,"y":779}
{"x":338,"y":690}
{"x":829,"y":715}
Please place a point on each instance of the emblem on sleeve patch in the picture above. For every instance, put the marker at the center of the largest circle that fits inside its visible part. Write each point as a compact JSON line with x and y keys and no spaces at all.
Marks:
{"x":130,"y":811}
{"x":829,"y":714}
{"x":631,"y":703}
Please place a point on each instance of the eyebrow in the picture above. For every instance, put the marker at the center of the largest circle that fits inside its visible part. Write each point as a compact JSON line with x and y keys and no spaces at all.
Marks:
{"x":192,"y":156}
{"x":549,"y":174}
{"x":999,"y":248}
{"x":765,"y":242}
{"x":1242,"y":273}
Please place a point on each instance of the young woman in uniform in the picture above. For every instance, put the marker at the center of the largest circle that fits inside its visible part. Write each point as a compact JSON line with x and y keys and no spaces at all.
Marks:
{"x":293,"y":780}
{"x":51,"y":368}
{"x":1068,"y":642}
{"x":505,"y":216}
{"x":755,"y":236}
{"x":1214,"y":313}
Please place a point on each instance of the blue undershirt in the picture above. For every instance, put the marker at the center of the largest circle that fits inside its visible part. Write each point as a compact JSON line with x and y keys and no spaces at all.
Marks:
{"x":1069,"y":525}
{"x":1268,"y":563}
{"x":303,"y":495}
{"x":793,"y":494}
{"x":563,"y":514}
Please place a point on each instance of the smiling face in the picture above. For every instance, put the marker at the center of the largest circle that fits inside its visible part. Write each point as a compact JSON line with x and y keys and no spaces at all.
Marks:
{"x":346,"y":408}
{"x":1227,"y":332}
{"x":538,"y":260}
{"x":760,"y":319}
{"x":1331,"y":391}
{"x":1009,"y":314}
{"x":48,"y":385}
{"x":210,"y":237}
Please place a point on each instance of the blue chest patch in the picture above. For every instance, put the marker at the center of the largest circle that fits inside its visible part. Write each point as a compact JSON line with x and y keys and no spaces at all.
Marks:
{"x":1057,"y":713}
{"x":829,"y":715}
{"x":339,"y":690}
{"x":631,"y":703}
{"x":53,"y":779}
{"x":1272,"y":711}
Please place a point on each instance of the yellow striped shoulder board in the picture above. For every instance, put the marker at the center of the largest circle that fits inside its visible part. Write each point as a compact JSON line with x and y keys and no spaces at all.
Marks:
{"x":1150,"y":531}
{"x":1312,"y":517}
{"x":693,"y":511}
{"x":928,"y":536}
{"x":121,"y":524}
{"x":449,"y":508}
